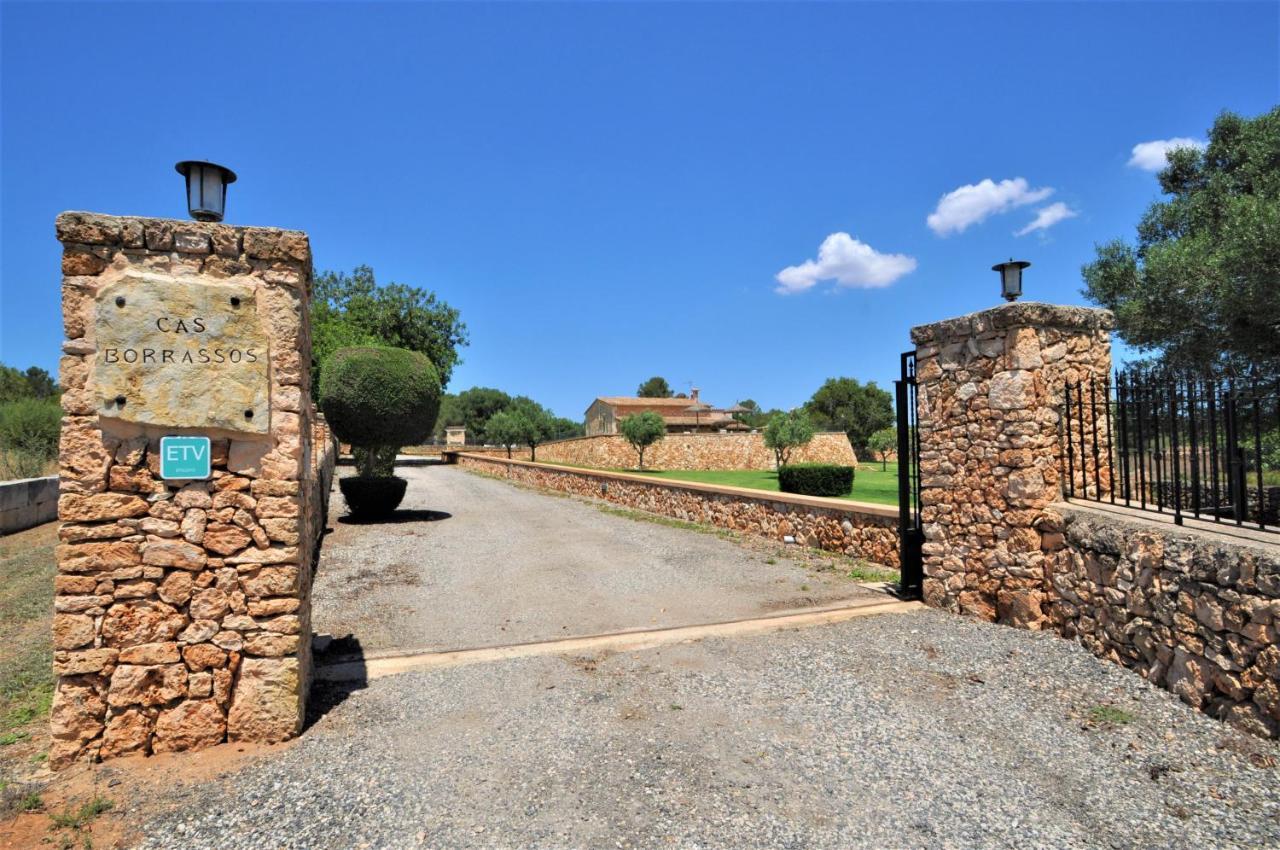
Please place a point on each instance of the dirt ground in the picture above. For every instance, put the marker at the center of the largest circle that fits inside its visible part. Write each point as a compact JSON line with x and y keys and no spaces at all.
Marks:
{"x":473,"y":561}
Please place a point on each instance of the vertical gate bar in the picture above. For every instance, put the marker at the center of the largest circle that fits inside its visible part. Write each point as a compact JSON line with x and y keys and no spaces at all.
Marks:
{"x":911,"y":567}
{"x":1257,"y":450}
{"x":1157,"y":453}
{"x":1135,"y":392}
{"x":1097,"y":464}
{"x":1173,"y":448}
{"x":1192,"y":407}
{"x":1125,"y":470}
{"x":1071,"y":457}
{"x":1214,"y":472}
{"x":1111,"y":436}
{"x":1084,"y":472}
{"x":1235,"y":474}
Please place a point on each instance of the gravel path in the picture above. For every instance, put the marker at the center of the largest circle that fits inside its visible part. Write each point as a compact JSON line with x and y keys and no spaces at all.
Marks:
{"x":481,"y":562}
{"x":911,"y":730}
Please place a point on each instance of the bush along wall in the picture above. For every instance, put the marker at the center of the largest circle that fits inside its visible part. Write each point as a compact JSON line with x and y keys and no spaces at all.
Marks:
{"x":816,"y":479}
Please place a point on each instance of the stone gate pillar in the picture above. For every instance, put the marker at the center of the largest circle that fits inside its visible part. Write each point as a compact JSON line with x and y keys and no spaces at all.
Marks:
{"x":182,"y":612}
{"x":989,"y":389}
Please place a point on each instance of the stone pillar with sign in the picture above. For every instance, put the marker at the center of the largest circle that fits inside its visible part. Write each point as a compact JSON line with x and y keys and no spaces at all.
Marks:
{"x":182,"y":613}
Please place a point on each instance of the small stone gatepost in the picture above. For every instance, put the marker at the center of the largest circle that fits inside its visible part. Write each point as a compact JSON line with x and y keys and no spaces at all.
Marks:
{"x":990,"y":387}
{"x":182,"y":611}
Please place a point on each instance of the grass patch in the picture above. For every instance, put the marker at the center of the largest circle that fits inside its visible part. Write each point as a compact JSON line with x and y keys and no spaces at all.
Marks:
{"x":870,"y":484}
{"x":26,"y":654}
{"x":1110,"y":715}
{"x":72,"y":824}
{"x":867,"y":571}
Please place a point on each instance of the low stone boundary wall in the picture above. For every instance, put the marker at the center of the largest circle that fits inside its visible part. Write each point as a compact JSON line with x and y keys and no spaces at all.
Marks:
{"x":28,"y":502}
{"x":683,"y":451}
{"x":1193,"y":611}
{"x":856,"y":529}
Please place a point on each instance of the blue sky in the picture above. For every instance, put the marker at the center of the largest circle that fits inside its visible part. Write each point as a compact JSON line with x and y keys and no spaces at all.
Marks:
{"x":610,"y":191}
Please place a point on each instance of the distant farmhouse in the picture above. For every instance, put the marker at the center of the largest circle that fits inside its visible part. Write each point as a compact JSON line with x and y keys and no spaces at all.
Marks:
{"x":682,"y":415}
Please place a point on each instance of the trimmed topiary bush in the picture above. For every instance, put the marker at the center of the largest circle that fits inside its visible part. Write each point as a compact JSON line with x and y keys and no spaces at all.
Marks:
{"x":816,"y":479}
{"x":378,"y":399}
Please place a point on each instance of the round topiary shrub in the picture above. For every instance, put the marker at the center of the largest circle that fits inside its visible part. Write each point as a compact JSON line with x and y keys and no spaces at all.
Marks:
{"x":816,"y":479}
{"x":378,"y":399}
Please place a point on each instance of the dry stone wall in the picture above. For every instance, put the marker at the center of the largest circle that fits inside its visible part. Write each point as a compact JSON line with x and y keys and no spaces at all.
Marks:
{"x":686,"y":451}
{"x":854,"y":529}
{"x":989,"y":386}
{"x":1196,"y":612}
{"x":182,"y":609}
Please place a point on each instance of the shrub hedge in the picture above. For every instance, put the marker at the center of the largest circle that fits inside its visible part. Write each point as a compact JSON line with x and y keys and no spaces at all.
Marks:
{"x":816,"y":479}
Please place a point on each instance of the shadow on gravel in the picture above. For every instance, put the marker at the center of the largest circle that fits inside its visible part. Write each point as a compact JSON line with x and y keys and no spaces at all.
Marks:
{"x":397,"y":517}
{"x":345,"y":654}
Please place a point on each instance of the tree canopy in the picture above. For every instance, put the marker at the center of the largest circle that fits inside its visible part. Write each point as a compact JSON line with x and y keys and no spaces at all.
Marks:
{"x":474,"y":409}
{"x":1199,"y":289}
{"x":642,"y":430}
{"x":33,"y":383}
{"x":881,"y":443}
{"x":859,"y":410}
{"x":352,"y":310}
{"x":787,"y":432}
{"x":655,"y":387}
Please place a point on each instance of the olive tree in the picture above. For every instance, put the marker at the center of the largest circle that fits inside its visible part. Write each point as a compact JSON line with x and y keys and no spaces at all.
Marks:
{"x":643,"y":430}
{"x":786,"y":432}
{"x":881,"y":443}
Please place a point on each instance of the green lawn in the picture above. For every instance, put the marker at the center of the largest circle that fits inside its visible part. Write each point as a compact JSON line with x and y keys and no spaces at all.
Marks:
{"x":870,"y":483}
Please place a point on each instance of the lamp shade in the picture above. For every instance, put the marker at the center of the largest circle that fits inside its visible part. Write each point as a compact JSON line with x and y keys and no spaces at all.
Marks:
{"x":1011,"y":278}
{"x":206,"y":188}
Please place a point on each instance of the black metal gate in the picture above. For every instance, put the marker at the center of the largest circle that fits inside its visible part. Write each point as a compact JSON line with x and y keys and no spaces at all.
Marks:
{"x":910,"y":534}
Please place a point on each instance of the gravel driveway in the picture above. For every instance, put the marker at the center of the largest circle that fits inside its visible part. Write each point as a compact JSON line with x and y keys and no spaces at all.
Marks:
{"x":910,"y":730}
{"x":480,"y":562}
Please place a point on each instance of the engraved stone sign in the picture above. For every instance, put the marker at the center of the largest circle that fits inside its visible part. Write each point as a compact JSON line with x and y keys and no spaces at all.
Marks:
{"x":185,"y":353}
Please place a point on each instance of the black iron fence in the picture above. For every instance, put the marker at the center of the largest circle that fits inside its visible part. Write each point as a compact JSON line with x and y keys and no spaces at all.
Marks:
{"x":1189,"y":446}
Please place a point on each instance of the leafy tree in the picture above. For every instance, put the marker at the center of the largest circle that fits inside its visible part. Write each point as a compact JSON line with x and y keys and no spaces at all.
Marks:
{"x":33,"y":383}
{"x":472,"y":409}
{"x":859,"y":410}
{"x":883,"y":442}
{"x":563,"y":429}
{"x":786,"y":432}
{"x":643,"y":430}
{"x":655,"y":387}
{"x":379,"y":399}
{"x":534,"y":425}
{"x":506,"y":428}
{"x":353,"y":310}
{"x":1199,"y":289}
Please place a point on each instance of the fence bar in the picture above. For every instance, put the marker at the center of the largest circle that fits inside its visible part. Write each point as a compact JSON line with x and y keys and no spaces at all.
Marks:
{"x":1173,"y":447}
{"x":1111,"y":436}
{"x":1257,"y":453}
{"x":1125,"y":470}
{"x":1214,"y":472}
{"x":1071,"y":455}
{"x":1084,"y":464}
{"x":1097,"y":465}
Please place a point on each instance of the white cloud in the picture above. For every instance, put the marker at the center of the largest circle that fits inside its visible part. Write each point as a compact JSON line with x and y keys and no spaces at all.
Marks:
{"x":975,"y":202}
{"x":849,"y":263}
{"x":1151,"y":156}
{"x":1047,"y":217}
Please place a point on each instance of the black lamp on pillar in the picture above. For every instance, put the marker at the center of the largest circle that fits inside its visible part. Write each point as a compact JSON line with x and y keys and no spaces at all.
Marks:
{"x":1011,"y":278}
{"x":206,"y":188}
